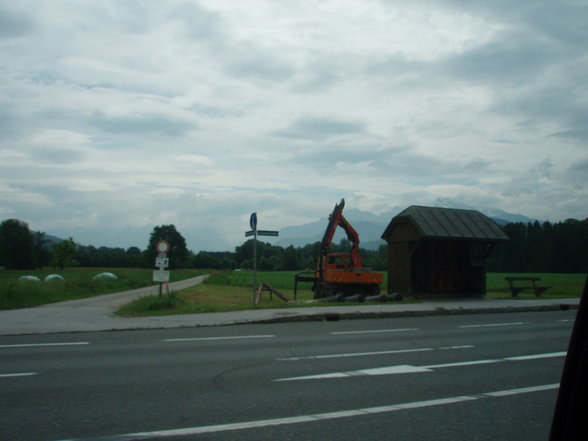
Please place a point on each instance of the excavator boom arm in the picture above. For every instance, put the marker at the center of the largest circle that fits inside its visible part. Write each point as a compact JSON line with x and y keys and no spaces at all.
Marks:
{"x":336,"y":219}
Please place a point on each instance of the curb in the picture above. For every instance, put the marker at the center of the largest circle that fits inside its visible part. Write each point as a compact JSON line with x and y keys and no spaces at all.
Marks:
{"x":336,"y":316}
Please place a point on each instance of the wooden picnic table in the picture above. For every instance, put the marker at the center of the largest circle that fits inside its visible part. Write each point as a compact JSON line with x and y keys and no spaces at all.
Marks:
{"x":531,"y":283}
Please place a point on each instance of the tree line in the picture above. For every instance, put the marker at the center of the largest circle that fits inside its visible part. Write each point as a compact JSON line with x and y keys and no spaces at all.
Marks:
{"x":533,"y":247}
{"x":546,"y":247}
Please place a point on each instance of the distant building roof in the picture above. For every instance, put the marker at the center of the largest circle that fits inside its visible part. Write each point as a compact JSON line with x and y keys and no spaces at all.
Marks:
{"x":449,"y":223}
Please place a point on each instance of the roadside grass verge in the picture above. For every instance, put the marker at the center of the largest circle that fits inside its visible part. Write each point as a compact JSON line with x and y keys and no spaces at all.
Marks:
{"x":78,"y":284}
{"x":233,"y":291}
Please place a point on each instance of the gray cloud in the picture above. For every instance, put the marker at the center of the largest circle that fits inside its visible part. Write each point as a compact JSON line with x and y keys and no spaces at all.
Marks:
{"x":253,"y":63}
{"x":14,"y":23}
{"x":577,"y":174}
{"x":200,"y":24}
{"x":513,"y":60}
{"x":319,"y":129}
{"x":530,"y":181}
{"x":58,"y":156}
{"x":141,"y":124}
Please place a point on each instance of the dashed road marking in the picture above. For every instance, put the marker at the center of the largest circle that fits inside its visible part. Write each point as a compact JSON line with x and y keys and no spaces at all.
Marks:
{"x":490,"y":325}
{"x":33,"y":345}
{"x":18,"y":374}
{"x":369,"y":354}
{"x":238,"y":337}
{"x":375,"y":331}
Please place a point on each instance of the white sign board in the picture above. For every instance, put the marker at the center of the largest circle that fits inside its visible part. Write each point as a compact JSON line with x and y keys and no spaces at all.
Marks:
{"x":162,"y":262}
{"x":160,"y":276}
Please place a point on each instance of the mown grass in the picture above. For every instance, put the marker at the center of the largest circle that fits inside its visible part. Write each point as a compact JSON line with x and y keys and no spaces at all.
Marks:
{"x":562,"y":286}
{"x":78,"y":284}
{"x":222,"y":291}
{"x":233,"y":291}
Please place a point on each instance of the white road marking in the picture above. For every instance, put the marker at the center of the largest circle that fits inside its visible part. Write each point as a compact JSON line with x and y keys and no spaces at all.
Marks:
{"x":409,"y":369}
{"x":376,"y":331}
{"x":388,"y":370}
{"x":488,"y":325}
{"x":521,"y":390}
{"x":369,"y":354}
{"x":462,"y":363}
{"x":32,"y":345}
{"x":18,"y":374}
{"x":312,"y":418}
{"x":219,"y":338}
{"x":536,"y":356}
{"x":354,"y":354}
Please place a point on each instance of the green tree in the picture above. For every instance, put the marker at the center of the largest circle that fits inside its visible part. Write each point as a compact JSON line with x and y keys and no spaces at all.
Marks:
{"x":16,"y":245}
{"x":178,"y":254}
{"x":244,"y":253}
{"x":64,"y":254}
{"x":290,"y":259}
{"x":41,"y":255}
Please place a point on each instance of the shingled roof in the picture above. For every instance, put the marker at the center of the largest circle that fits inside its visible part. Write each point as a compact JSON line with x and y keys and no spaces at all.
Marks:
{"x":449,"y":223}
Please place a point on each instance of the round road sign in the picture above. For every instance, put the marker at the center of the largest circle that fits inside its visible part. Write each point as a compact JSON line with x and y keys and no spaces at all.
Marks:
{"x":162,"y":246}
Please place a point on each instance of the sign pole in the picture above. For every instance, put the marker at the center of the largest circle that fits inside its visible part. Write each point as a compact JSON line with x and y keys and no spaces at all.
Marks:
{"x":254,"y":232}
{"x":254,"y":263}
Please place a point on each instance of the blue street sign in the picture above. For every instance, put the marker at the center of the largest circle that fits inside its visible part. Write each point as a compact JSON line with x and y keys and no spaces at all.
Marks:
{"x":253,"y":221}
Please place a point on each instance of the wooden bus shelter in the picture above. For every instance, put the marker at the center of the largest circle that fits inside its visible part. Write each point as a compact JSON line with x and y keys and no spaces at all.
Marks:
{"x":435,"y":252}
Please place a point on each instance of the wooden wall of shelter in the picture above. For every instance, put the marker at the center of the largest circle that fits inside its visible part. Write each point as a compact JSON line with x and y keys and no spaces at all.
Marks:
{"x":439,"y":251}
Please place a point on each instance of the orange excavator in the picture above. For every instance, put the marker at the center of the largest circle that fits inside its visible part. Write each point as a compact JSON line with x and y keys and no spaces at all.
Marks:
{"x":340,"y":275}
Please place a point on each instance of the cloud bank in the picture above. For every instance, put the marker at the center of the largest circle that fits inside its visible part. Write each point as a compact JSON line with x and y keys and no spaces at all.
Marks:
{"x":117,"y":116}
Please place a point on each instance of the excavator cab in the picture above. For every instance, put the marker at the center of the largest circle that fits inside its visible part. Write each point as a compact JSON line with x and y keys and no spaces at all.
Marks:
{"x":338,"y":261}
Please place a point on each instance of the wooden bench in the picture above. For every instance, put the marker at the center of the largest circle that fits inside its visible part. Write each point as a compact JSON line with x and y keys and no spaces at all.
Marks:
{"x":515,"y":290}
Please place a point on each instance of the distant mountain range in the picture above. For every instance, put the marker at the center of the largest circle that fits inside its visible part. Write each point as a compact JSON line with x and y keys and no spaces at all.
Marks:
{"x":370,"y":226}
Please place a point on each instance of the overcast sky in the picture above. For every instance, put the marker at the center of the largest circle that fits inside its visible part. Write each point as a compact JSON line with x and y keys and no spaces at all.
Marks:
{"x":117,"y":116}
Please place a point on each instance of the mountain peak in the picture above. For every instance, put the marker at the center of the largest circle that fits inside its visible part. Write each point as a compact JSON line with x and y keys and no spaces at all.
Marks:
{"x":370,"y":226}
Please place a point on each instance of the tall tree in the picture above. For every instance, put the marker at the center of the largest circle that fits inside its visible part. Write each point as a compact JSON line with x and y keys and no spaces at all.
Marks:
{"x":16,"y":245}
{"x":41,"y":250}
{"x":290,"y":259}
{"x":178,"y":254}
{"x":64,"y":254}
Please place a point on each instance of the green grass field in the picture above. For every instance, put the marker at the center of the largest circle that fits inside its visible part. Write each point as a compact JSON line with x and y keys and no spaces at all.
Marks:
{"x":78,"y":284}
{"x":222,"y":291}
{"x":562,"y":285}
{"x":233,"y":290}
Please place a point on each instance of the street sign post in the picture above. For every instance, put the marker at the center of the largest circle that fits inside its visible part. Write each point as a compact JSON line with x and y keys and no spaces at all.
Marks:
{"x":255,"y":232}
{"x":161,"y":275}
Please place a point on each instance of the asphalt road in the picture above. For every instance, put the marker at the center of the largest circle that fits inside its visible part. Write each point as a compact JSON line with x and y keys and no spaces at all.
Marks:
{"x":475,"y":377}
